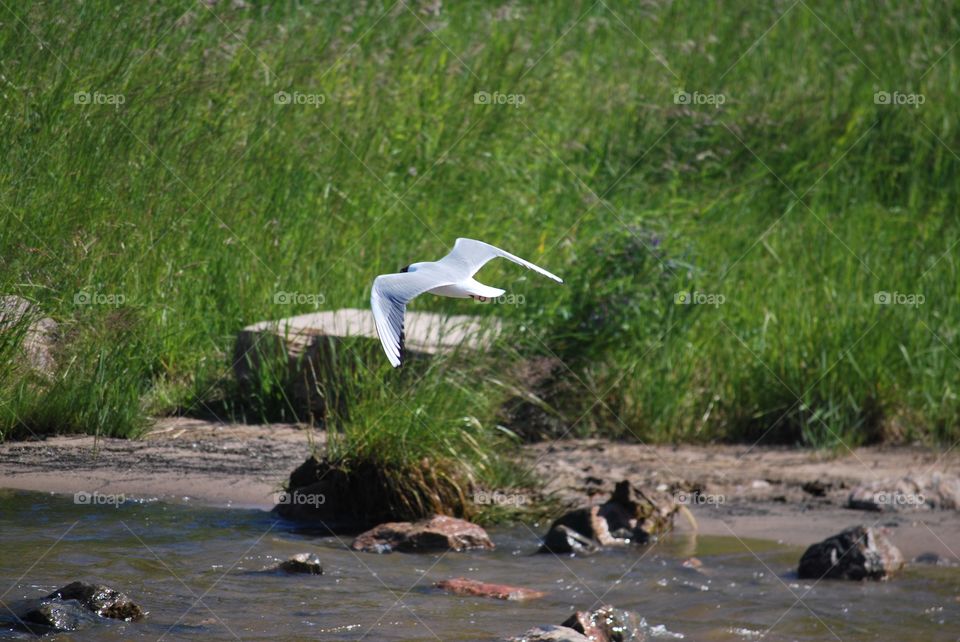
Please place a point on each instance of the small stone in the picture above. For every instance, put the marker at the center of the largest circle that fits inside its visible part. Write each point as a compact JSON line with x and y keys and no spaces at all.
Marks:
{"x":308,"y":563}
{"x":474,"y":588}
{"x":692,"y":562}
{"x":439,"y":533}
{"x":47,"y":616}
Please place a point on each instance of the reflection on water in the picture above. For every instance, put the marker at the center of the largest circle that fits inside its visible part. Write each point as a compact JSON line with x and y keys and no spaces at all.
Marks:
{"x":193,"y":569}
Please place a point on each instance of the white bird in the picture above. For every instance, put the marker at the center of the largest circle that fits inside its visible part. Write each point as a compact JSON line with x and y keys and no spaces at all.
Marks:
{"x":451,"y":276}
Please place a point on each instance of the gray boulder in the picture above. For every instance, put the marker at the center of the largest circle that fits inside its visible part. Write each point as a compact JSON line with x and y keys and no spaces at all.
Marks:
{"x":38,"y":333}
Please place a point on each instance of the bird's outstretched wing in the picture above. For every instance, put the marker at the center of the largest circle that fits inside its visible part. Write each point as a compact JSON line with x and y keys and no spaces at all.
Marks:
{"x":471,"y":255}
{"x":389,"y":297}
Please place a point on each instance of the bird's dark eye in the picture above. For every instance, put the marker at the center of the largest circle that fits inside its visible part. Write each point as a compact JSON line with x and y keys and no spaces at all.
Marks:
{"x":405,"y":268}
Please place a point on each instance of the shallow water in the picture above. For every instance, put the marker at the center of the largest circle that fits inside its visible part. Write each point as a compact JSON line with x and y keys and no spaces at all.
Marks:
{"x":195,"y":570}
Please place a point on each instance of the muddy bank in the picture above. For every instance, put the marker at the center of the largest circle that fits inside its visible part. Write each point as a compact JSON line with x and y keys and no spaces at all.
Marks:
{"x":795,"y":496}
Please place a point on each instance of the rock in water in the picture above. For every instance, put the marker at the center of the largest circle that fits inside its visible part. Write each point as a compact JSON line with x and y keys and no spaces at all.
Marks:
{"x":474,"y":588}
{"x":102,"y":600}
{"x":308,"y":563}
{"x":855,"y":554}
{"x":552,"y":633}
{"x":629,"y":516}
{"x":50,"y":616}
{"x":608,"y":624}
{"x":439,"y":533}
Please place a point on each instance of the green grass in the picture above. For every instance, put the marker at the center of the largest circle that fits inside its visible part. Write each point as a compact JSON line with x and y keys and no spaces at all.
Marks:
{"x":200,"y":198}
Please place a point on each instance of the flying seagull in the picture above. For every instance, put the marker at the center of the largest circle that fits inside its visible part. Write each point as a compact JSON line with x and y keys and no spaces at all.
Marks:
{"x":451,"y":276}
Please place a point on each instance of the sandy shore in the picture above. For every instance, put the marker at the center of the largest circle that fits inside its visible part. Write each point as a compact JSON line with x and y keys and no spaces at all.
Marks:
{"x":179,"y":460}
{"x":789,"y":495}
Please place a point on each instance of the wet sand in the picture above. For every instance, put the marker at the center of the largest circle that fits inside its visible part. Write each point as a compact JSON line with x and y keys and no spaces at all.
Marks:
{"x":762,"y":489}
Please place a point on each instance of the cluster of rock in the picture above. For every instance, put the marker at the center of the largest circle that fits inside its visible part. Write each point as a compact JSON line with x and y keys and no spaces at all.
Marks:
{"x":630,"y":516}
{"x":932,"y":491}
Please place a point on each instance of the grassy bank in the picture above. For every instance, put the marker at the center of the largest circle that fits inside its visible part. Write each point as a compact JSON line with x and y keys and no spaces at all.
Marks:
{"x":173,"y":171}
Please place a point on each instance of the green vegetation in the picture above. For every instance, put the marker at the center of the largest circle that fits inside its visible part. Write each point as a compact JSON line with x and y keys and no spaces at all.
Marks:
{"x":206,"y":193}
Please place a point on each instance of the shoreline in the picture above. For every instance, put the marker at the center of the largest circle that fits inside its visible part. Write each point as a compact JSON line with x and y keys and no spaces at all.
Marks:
{"x":794,"y":497}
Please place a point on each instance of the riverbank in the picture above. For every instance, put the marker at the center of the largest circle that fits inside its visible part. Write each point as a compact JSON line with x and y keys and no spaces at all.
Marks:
{"x":787,"y":495}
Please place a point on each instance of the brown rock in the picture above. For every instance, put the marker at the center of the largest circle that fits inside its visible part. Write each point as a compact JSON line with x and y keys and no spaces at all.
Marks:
{"x":855,"y":554}
{"x":474,"y":588}
{"x":439,"y":533}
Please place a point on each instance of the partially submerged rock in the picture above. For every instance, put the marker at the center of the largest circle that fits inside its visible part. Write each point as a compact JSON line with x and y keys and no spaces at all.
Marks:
{"x":102,"y":600}
{"x":605,"y":624}
{"x":551,"y":633}
{"x":474,"y":588}
{"x":50,"y":616}
{"x":857,"y":553}
{"x":608,"y":624}
{"x":629,"y":516}
{"x":18,"y":315}
{"x":307,"y":563}
{"x":439,"y":533}
{"x":937,"y":491}
{"x":301,"y":350}
{"x":76,"y":606}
